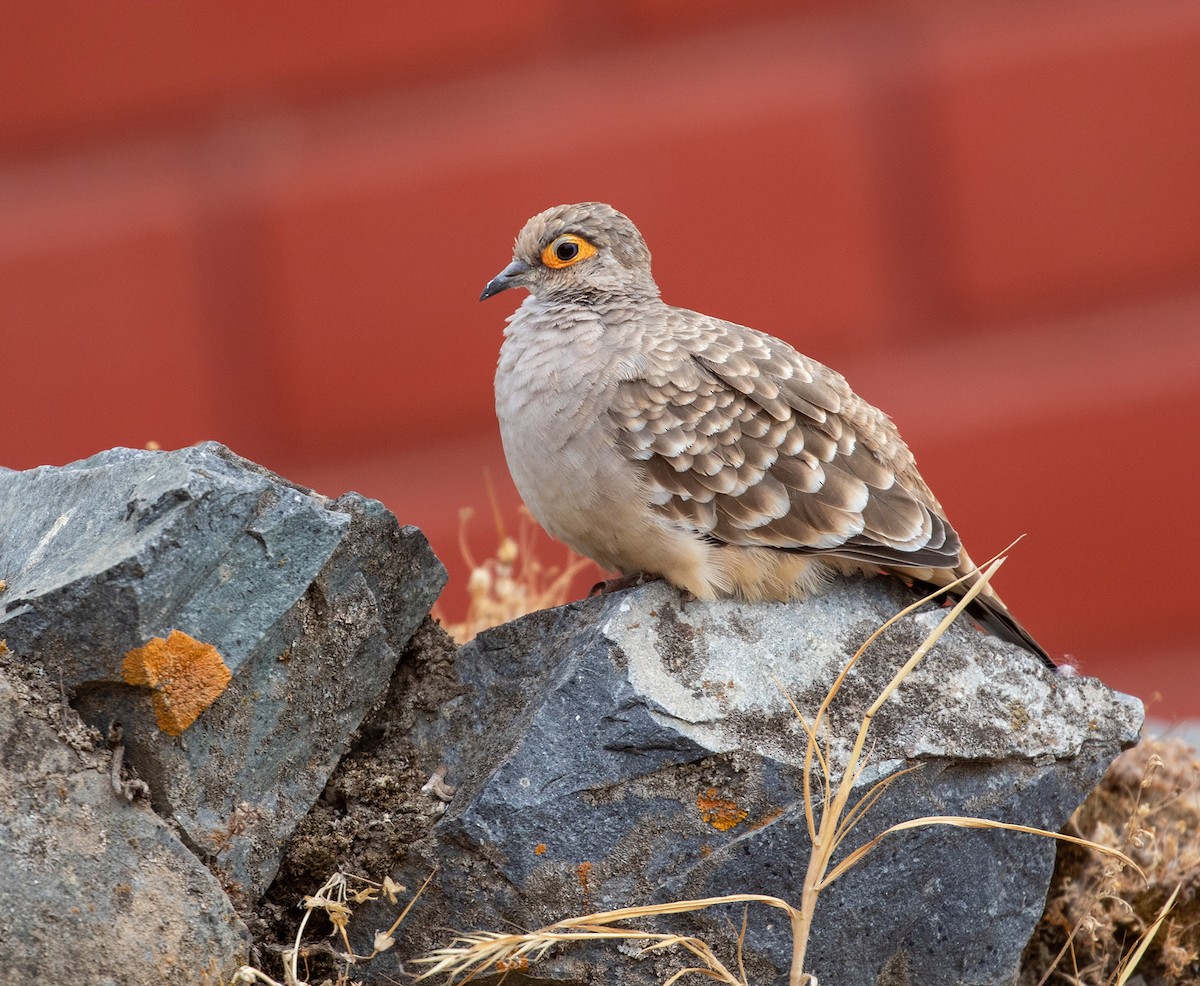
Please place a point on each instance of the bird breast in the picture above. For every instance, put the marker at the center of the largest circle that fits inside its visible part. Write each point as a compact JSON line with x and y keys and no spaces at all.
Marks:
{"x":556,"y":376}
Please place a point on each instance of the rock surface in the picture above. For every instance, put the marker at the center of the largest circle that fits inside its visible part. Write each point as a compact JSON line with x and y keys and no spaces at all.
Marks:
{"x":93,"y":888}
{"x":309,"y":602}
{"x":630,"y":750}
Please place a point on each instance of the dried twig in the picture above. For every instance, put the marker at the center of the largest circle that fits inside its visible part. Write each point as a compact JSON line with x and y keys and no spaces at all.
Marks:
{"x":126,"y":788}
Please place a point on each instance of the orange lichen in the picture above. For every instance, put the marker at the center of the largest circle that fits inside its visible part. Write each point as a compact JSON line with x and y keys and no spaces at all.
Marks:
{"x":584,"y":870}
{"x":721,"y":813}
{"x":772,"y":816}
{"x":185,"y":676}
{"x":539,"y":849}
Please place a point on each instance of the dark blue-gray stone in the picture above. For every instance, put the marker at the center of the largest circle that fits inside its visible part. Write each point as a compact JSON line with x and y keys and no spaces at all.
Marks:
{"x":651,"y":743}
{"x":309,"y":601}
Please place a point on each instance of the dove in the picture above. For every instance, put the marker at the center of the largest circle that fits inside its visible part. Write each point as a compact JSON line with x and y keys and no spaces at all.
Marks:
{"x":667,"y":444}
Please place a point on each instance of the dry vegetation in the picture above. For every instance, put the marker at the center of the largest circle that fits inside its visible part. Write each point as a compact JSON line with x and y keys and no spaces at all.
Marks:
{"x":831,"y":819}
{"x":1149,"y":805}
{"x":1123,"y":906}
{"x":512,"y":581}
{"x":1099,"y":913}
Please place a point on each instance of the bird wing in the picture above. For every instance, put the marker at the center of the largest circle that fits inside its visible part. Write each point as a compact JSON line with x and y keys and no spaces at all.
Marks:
{"x":750,"y":443}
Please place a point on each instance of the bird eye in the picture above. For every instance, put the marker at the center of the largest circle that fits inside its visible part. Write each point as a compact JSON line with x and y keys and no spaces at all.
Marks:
{"x":566,"y":250}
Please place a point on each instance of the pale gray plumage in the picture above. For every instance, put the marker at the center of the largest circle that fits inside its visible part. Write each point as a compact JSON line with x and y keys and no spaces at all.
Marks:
{"x":657,"y":440}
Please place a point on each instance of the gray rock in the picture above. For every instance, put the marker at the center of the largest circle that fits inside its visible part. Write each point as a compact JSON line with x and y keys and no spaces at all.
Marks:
{"x":308,"y":600}
{"x":631,"y":750}
{"x":93,"y":888}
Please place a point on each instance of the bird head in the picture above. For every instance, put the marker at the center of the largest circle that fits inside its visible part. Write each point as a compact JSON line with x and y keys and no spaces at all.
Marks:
{"x":578,"y":253}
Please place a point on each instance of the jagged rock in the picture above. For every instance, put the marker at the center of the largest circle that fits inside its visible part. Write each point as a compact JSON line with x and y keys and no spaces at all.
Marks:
{"x":631,"y":750}
{"x":93,"y":888}
{"x":309,"y":602}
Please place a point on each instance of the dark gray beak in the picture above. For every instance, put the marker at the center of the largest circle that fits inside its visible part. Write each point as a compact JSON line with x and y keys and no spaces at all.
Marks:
{"x":511,"y":277}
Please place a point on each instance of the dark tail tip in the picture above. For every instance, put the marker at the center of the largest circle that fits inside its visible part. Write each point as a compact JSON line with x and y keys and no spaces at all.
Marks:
{"x":996,"y":619}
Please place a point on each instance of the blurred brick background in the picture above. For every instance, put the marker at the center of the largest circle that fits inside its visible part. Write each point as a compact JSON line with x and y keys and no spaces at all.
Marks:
{"x":267,"y":223}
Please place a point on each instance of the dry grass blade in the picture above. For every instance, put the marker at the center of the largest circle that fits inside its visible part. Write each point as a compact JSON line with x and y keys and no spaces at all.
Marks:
{"x":1130,"y":962}
{"x":967,"y":822}
{"x":813,"y":748}
{"x":741,"y":942}
{"x":475,"y":954}
{"x":672,"y":907}
{"x":832,"y":828}
{"x":384,"y":940}
{"x":867,"y":801}
{"x":713,"y":967}
{"x":813,"y":744}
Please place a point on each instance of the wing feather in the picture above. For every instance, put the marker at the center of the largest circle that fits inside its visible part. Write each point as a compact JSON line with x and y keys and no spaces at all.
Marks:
{"x":747,"y":442}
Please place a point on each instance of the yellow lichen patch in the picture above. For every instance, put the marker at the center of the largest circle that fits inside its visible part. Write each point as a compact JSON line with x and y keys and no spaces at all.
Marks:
{"x":185,"y":675}
{"x":539,"y":849}
{"x":721,"y":813}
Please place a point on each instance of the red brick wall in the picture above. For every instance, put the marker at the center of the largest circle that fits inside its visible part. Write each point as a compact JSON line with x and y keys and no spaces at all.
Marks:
{"x":268,"y":224}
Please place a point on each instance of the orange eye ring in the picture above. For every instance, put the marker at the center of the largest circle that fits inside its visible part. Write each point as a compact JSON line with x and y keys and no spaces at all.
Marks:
{"x":565,"y":250}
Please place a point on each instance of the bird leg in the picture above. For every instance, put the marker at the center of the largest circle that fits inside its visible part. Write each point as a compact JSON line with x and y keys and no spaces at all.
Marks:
{"x":606,"y":586}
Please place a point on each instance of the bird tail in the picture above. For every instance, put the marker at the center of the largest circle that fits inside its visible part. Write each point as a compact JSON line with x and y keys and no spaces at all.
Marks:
{"x":989,"y":612}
